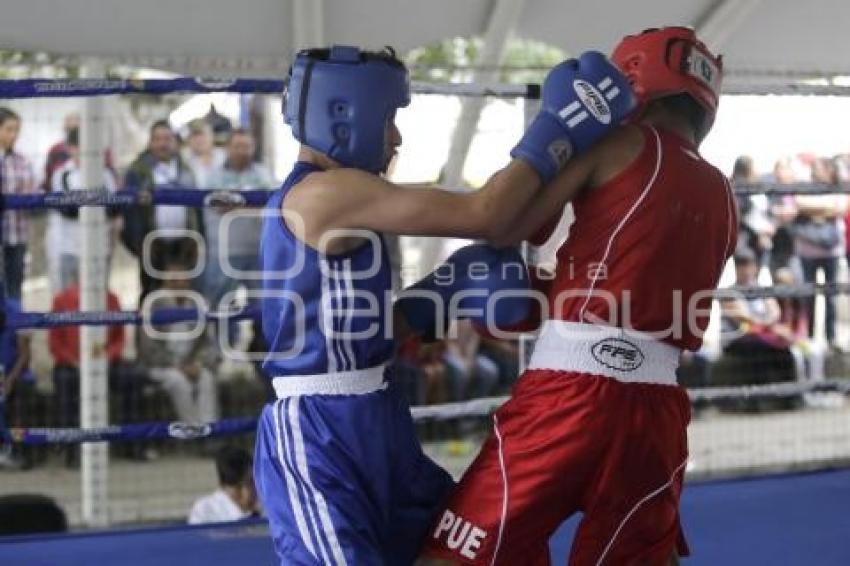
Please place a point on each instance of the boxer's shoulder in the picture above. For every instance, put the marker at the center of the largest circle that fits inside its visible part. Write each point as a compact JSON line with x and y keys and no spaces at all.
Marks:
{"x":616,"y":152}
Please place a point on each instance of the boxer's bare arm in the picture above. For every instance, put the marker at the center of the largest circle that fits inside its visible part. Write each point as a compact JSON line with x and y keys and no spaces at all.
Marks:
{"x":596,"y":167}
{"x":353,"y":199}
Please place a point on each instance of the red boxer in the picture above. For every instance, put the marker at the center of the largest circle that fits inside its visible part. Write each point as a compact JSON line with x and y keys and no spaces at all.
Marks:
{"x":597,"y":424}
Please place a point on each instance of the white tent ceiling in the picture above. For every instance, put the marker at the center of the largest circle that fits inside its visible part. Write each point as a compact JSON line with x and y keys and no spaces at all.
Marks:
{"x":257,"y":37}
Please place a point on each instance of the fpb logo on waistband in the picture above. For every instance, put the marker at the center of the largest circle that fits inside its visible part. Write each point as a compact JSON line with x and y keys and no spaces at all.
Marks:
{"x":618,"y":354}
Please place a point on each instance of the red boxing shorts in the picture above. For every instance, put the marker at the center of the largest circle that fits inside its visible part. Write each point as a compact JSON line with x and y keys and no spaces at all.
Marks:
{"x":611,"y":448}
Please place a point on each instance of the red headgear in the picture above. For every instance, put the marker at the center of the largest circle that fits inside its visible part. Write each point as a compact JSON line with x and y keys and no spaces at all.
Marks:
{"x":665,"y":61}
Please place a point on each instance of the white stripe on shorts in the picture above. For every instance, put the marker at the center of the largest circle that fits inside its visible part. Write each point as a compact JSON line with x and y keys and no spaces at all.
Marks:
{"x":504,"y":489}
{"x":291,"y":486}
{"x":321,"y":504}
{"x":301,"y":488}
{"x":631,"y":512}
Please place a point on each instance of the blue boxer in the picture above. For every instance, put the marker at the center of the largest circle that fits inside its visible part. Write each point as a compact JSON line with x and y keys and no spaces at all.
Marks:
{"x":338,"y":465}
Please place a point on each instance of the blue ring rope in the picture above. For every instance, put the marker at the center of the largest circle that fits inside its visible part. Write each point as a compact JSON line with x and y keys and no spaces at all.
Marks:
{"x":22,"y":320}
{"x":131,"y":432}
{"x":161,"y":194}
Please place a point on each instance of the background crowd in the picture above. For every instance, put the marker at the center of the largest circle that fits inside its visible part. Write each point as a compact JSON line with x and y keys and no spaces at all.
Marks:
{"x":783,"y":240}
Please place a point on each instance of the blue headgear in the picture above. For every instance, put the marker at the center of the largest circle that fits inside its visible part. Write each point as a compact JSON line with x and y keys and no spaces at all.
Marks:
{"x":337,"y":102}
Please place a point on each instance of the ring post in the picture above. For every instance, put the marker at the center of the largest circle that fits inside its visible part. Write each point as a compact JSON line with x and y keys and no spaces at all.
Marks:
{"x":94,"y":399}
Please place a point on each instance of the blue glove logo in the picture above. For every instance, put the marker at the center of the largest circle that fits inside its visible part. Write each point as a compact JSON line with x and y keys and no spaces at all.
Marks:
{"x":593,"y":100}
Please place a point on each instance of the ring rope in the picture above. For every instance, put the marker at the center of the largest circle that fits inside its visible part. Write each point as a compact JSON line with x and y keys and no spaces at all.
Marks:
{"x":35,"y":320}
{"x":178,"y":195}
{"x":55,"y":88}
{"x":446,"y":411}
{"x":22,"y":320}
{"x":175,"y":195}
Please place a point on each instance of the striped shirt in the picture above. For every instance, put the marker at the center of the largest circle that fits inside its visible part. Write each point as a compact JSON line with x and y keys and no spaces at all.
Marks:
{"x":16,"y":178}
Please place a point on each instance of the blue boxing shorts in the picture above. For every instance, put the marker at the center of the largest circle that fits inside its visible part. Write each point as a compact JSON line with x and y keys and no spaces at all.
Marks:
{"x":344,"y":479}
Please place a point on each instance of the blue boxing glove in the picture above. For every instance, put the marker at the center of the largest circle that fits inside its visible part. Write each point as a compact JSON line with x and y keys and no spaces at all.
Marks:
{"x":581,"y":100}
{"x":487,"y":285}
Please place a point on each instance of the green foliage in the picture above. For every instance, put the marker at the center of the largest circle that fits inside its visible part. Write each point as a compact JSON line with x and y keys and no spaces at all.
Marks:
{"x":453,"y":61}
{"x":16,"y":64}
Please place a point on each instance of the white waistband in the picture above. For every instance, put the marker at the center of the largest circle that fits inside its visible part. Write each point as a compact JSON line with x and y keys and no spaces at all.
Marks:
{"x":604,"y":350}
{"x":353,"y":382}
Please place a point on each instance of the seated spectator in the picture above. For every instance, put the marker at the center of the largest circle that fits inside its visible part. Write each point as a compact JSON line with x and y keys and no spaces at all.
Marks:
{"x":181,"y":364}
{"x":505,"y":354}
{"x":753,"y":333}
{"x":809,"y":355}
{"x":64,"y":240}
{"x":694,"y":370}
{"x":470,"y":374}
{"x":30,"y":513}
{"x":126,"y":378}
{"x":792,"y":310}
{"x":236,"y":497}
{"x":421,"y":371}
{"x":17,"y":388}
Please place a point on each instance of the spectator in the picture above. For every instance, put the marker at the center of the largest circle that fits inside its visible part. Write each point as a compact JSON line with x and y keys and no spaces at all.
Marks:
{"x":236,"y":497}
{"x":505,"y":354}
{"x":470,"y":374}
{"x":27,"y":513}
{"x":202,"y":156}
{"x":793,"y":312}
{"x":64,"y":241}
{"x":753,"y":333}
{"x":847,"y":237}
{"x":16,"y":178}
{"x":59,"y":152}
{"x":240,"y":241}
{"x":160,"y":164}
{"x":421,"y":371}
{"x":819,"y":239}
{"x":180,"y":364}
{"x":125,"y":378}
{"x":809,"y":355}
{"x":221,"y":125}
{"x":783,"y":210}
{"x":757,"y":227}
{"x":843,"y":164}
{"x":16,"y":389}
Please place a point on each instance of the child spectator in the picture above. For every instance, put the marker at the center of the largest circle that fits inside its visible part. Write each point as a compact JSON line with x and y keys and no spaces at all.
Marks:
{"x":236,"y":497}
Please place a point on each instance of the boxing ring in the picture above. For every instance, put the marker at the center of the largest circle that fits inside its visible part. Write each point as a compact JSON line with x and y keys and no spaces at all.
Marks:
{"x":786,"y":518}
{"x":794,"y":520}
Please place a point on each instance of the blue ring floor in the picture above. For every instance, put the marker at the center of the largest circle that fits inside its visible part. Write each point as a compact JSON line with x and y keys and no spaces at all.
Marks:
{"x":793,"y":519}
